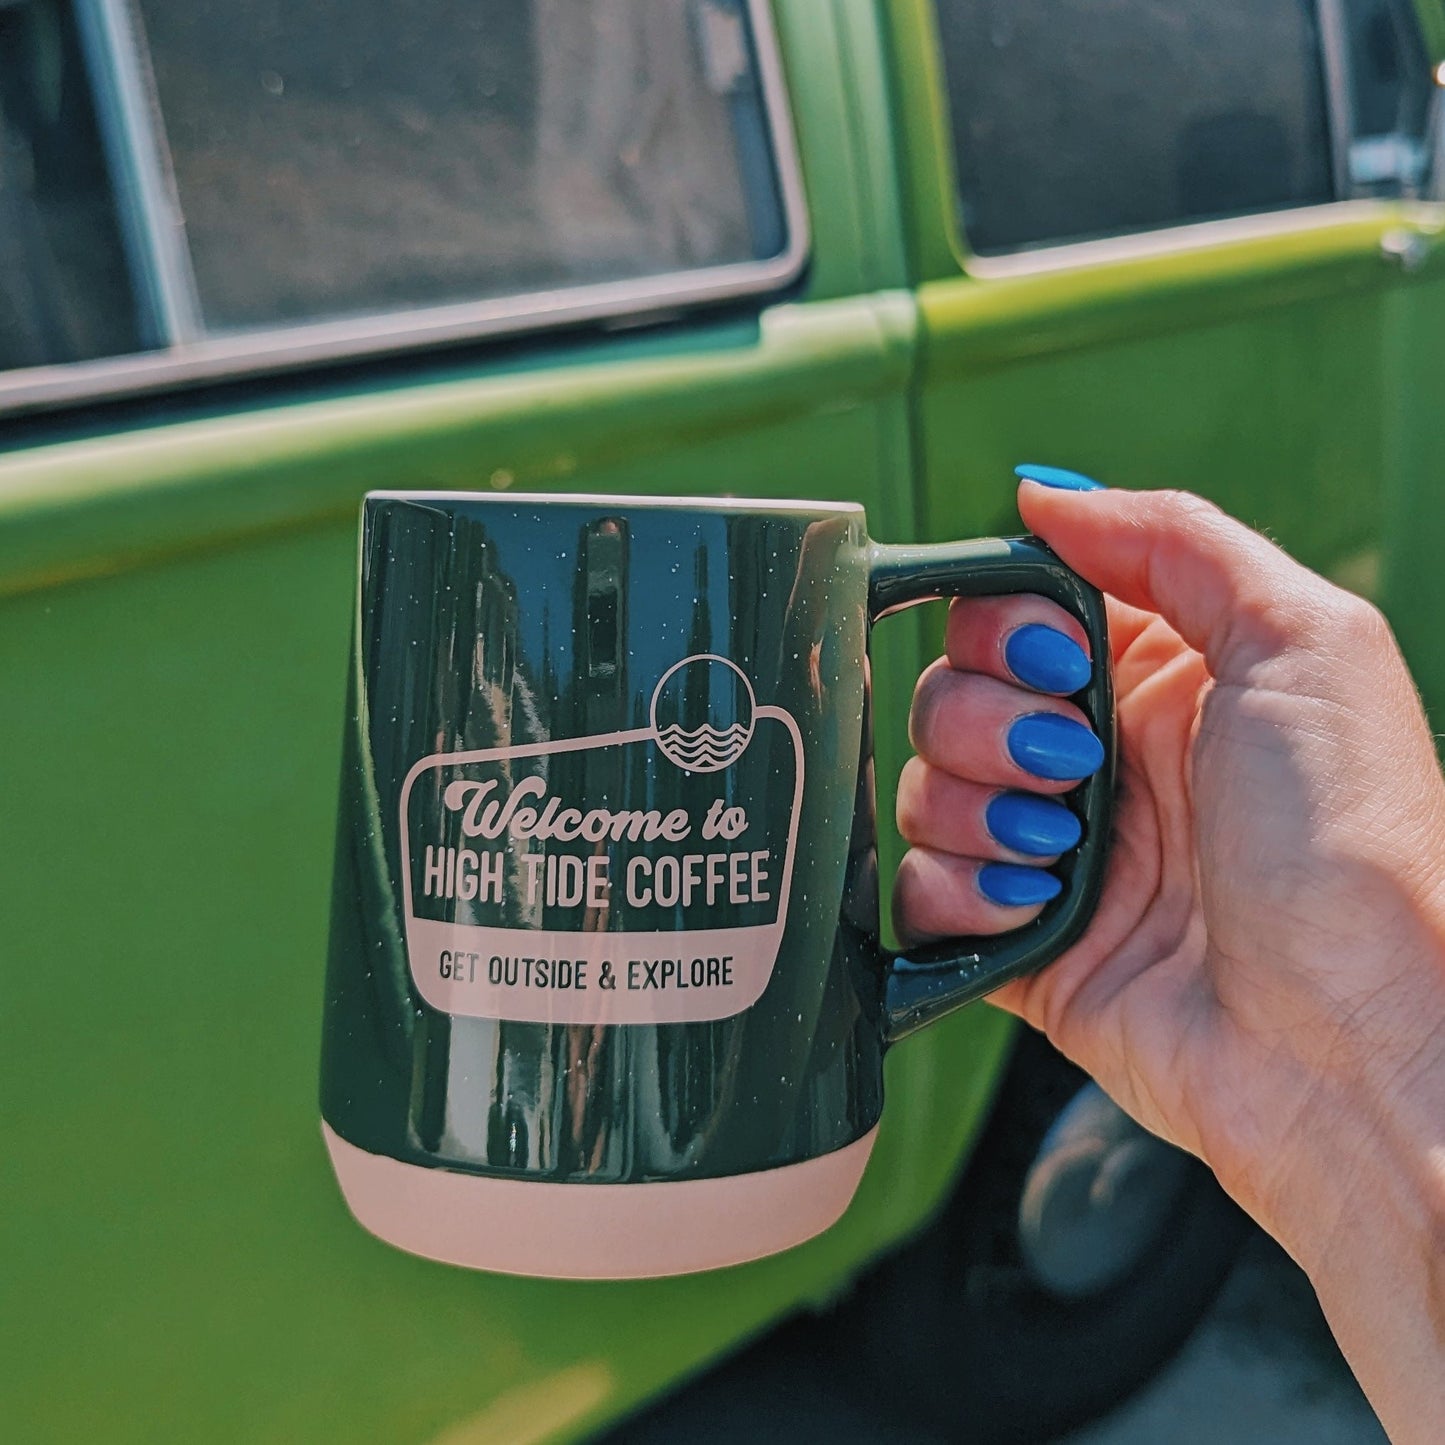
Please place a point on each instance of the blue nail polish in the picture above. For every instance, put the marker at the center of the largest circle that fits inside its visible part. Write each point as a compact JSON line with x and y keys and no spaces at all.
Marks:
{"x":1031,"y":825}
{"x":1046,"y":660}
{"x":1060,"y":477}
{"x":1012,"y":885}
{"x":1053,"y":747}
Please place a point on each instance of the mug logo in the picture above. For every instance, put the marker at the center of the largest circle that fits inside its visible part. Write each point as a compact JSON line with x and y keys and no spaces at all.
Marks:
{"x":639,"y":876}
{"x":716,"y":698}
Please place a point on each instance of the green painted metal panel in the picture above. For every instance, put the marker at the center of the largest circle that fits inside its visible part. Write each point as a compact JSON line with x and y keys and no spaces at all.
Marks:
{"x":1432,"y":26}
{"x":537,"y":421}
{"x":178,"y":1262}
{"x":1269,"y":397}
{"x":174,"y":607}
{"x":1414,"y":527}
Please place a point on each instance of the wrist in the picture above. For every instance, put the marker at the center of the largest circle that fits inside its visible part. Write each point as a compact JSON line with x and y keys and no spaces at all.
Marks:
{"x":1360,"y":1166}
{"x":1353,"y":1073}
{"x":1358,"y":1199}
{"x":1367,"y":1225}
{"x":1372,"y":1093}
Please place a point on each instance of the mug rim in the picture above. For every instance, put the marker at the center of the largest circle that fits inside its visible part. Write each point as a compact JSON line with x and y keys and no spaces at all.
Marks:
{"x":738,"y":504}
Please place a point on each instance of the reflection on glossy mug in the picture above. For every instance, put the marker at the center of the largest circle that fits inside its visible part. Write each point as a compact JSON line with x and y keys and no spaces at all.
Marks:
{"x":606,"y":996}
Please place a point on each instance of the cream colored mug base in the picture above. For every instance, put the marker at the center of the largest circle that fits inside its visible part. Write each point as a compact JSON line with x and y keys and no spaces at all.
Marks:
{"x":595,"y":1231}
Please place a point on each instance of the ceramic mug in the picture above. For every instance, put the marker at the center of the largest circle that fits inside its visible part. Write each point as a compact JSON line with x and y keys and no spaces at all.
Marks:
{"x":605,"y":995}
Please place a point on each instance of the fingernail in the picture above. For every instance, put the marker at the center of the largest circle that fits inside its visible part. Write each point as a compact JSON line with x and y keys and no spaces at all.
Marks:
{"x":1054,"y":747}
{"x":1031,"y":825}
{"x":1011,"y":885}
{"x":1060,"y":477}
{"x":1046,"y":660}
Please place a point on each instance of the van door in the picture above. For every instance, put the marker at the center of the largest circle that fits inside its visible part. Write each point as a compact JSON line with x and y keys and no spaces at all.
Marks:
{"x":1174,"y":244}
{"x":254,"y":260}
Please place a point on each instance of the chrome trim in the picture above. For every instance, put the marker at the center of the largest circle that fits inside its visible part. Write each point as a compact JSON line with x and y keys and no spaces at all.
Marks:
{"x":1169,"y":240}
{"x":189,"y":362}
{"x":1435,"y":137}
{"x":1335,"y":54}
{"x":138,"y":164}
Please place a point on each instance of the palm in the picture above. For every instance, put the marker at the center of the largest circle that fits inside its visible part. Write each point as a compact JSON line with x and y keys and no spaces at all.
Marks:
{"x":1135,"y":1001}
{"x":1230,"y":933}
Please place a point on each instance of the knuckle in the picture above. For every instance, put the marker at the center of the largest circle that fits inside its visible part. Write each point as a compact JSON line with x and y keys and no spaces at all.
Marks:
{"x":940,"y":704}
{"x":912,"y":805}
{"x":1190,"y":512}
{"x":1358,"y":623}
{"x":910,"y":910}
{"x":924,"y":894}
{"x":922,"y":716}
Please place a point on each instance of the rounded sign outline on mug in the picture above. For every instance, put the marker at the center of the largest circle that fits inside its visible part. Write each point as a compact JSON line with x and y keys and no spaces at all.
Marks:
{"x":598,"y":976}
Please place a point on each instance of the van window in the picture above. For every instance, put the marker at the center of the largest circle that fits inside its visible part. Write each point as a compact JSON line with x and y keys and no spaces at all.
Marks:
{"x":347,"y":156}
{"x":1075,"y":119}
{"x":195,"y":188}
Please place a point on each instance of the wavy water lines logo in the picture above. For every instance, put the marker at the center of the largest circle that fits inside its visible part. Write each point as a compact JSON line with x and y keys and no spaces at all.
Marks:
{"x":703,"y":713}
{"x":704,"y":749}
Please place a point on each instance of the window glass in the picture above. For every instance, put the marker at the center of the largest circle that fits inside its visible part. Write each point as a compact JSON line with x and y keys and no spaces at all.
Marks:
{"x":64,"y":290}
{"x":1080,"y":118}
{"x":345,"y":157}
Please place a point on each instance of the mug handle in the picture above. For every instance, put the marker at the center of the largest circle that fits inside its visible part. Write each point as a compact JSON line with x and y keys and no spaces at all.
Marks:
{"x":921,"y":984}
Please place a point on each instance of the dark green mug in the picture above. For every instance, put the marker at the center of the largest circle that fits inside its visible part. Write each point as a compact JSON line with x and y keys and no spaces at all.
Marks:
{"x":606,"y":996}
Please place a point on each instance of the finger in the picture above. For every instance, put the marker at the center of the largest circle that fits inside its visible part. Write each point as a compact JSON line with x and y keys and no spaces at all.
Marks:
{"x":939,"y":895}
{"x":1024,"y":639}
{"x":1229,"y":592}
{"x":996,"y":733}
{"x":949,"y":815}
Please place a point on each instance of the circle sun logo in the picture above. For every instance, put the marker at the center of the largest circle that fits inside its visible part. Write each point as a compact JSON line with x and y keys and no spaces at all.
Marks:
{"x":703,"y":713}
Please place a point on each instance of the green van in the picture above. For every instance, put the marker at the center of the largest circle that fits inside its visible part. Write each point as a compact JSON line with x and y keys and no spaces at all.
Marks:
{"x":256,"y":259}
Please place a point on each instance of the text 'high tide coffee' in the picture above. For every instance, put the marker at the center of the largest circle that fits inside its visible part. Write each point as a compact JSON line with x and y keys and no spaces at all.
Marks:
{"x":639,"y":876}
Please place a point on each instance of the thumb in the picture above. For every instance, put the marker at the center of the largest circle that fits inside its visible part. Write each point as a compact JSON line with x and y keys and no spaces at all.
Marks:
{"x":1226,"y":590}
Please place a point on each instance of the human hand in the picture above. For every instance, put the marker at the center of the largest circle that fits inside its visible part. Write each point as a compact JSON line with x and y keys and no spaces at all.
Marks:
{"x":1263,"y":981}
